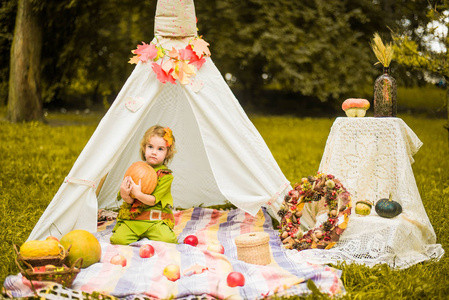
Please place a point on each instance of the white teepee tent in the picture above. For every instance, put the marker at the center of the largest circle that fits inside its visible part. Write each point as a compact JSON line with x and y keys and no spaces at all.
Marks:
{"x":221,"y":156}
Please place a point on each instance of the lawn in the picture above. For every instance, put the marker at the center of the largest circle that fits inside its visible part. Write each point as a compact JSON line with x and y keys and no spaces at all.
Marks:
{"x":36,"y":158}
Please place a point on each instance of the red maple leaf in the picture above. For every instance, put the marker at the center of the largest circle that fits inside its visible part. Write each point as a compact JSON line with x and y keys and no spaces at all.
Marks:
{"x":146,"y":51}
{"x":163,"y":76}
{"x":187,"y":53}
{"x":190,"y":55}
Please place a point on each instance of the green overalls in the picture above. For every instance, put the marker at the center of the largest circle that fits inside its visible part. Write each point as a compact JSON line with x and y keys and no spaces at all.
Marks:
{"x":139,"y":220}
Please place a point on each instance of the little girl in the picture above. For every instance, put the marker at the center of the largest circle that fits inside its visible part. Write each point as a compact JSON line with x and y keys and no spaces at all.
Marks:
{"x":147,"y":215}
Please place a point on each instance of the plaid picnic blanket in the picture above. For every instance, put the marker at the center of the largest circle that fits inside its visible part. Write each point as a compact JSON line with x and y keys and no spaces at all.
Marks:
{"x":143,"y":277}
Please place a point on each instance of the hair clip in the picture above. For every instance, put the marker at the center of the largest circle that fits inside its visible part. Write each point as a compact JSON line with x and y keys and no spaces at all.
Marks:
{"x":168,"y":136}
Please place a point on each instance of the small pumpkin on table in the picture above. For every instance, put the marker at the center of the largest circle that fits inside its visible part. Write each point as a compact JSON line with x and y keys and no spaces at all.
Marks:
{"x":355,"y":107}
{"x":388,"y":208}
{"x":363,"y":207}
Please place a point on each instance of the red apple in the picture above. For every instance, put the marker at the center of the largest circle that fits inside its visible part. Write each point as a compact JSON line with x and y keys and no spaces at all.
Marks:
{"x":39,"y":269}
{"x":52,"y":238}
{"x":214,"y":247}
{"x":172,"y":272}
{"x":146,"y":251}
{"x":191,"y":240}
{"x":235,"y":279}
{"x":118,"y":260}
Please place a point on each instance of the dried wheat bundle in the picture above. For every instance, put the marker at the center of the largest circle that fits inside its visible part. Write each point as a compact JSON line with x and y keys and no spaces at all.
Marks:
{"x":383,"y":53}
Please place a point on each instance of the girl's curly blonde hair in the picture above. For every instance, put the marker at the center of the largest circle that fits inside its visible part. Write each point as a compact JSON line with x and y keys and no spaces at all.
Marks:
{"x":162,"y":132}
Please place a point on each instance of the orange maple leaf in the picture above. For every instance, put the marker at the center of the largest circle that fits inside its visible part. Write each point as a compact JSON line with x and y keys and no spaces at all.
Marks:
{"x":134,"y":60}
{"x":200,"y":47}
{"x":174,"y":53}
{"x":183,"y":72}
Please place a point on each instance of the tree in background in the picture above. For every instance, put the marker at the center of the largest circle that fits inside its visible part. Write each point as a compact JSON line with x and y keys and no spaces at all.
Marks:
{"x":415,"y":48}
{"x":319,"y":49}
{"x":313,"y":48}
{"x":24,"y":98}
{"x":307,"y":47}
{"x":7,"y":18}
{"x":78,"y":49}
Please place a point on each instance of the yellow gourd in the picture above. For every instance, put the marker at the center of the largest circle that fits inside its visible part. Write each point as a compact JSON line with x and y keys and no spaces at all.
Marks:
{"x":37,"y":248}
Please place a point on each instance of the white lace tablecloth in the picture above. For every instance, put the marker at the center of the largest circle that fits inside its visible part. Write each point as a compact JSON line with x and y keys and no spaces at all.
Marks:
{"x":372,"y":157}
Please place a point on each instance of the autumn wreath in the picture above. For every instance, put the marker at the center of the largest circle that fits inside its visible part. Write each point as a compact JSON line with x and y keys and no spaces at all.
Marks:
{"x":336,"y":199}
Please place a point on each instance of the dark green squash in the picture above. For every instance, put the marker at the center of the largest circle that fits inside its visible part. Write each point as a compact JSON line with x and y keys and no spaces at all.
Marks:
{"x":388,"y":208}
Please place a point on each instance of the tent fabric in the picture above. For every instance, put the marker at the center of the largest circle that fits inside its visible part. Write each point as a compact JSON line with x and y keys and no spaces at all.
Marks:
{"x":175,"y":18}
{"x":220,"y":154}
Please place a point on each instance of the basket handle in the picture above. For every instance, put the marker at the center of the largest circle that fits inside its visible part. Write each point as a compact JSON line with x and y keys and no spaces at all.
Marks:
{"x":20,"y":267}
{"x":62,"y":252}
{"x":78,"y":263}
{"x":15,"y":249}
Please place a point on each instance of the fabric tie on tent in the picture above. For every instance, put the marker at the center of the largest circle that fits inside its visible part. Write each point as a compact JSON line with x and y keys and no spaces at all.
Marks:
{"x":81,"y":181}
{"x":276,"y":195}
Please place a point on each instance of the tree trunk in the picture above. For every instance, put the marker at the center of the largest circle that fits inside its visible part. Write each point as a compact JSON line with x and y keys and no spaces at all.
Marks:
{"x":24,"y":99}
{"x":447,"y":110}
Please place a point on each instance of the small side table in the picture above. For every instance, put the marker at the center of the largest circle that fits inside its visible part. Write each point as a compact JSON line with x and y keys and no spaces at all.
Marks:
{"x":372,"y":157}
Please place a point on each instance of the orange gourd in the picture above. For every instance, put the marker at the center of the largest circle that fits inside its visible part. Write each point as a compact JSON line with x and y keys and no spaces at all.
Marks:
{"x":355,"y":107}
{"x":140,"y":170}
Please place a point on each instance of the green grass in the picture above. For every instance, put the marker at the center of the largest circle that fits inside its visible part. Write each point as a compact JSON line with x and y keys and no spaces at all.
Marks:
{"x":36,"y":157}
{"x":430,"y":100}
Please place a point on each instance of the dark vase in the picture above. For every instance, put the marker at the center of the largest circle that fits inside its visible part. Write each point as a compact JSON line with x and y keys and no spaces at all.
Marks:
{"x":385,"y":95}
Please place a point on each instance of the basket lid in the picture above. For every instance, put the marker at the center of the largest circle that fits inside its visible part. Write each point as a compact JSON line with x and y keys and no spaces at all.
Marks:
{"x":252,"y":238}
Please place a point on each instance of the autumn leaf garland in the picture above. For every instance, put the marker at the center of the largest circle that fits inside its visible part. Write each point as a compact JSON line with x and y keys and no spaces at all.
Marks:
{"x":175,"y":64}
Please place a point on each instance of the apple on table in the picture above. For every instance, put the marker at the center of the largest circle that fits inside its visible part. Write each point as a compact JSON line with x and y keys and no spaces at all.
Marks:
{"x":118,"y":260}
{"x":215,"y":247}
{"x":191,"y":240}
{"x":146,"y":251}
{"x":235,"y":279}
{"x":172,"y":272}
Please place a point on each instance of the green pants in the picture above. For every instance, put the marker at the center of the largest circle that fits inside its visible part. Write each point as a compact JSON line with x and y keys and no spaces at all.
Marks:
{"x":127,"y":232}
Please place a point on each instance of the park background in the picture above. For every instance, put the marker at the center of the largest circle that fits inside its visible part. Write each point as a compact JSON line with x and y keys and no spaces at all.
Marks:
{"x":290,"y":63}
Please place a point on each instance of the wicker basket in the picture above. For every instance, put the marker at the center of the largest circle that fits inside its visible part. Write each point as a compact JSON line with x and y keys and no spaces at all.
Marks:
{"x":254,"y":248}
{"x":56,"y":260}
{"x":62,"y":275}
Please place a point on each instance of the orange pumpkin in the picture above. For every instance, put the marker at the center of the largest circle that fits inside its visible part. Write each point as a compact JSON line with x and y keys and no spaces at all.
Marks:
{"x":140,"y":170}
{"x":355,"y":107}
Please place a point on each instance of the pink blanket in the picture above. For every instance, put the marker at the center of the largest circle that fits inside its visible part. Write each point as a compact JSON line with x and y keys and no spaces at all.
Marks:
{"x":143,"y":277}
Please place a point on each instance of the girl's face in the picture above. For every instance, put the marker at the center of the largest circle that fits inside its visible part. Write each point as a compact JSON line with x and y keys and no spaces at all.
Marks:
{"x":155,"y":151}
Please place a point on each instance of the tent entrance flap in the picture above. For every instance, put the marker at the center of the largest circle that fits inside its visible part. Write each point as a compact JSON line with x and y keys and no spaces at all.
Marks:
{"x":194,"y":181}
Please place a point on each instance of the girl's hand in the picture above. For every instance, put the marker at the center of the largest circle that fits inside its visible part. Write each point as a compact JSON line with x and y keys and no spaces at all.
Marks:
{"x":136,"y":189}
{"x":125,"y":189}
{"x":142,"y":197}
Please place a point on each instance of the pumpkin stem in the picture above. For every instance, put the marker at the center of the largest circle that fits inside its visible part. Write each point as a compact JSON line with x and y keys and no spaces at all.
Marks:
{"x":389,"y":198}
